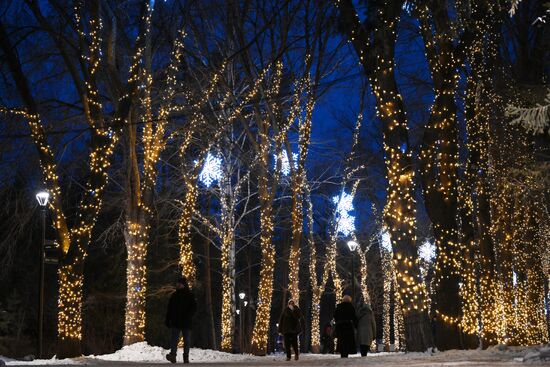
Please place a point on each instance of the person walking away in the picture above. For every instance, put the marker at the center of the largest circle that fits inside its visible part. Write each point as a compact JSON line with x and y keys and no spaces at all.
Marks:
{"x":366,"y":328}
{"x":327,"y":340}
{"x":290,"y":326}
{"x":181,"y":308}
{"x":346,"y":320}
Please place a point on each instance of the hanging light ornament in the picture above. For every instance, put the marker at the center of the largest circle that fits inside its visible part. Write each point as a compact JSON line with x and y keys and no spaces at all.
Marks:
{"x":285,"y":163}
{"x":345,"y":221}
{"x":212,"y":170}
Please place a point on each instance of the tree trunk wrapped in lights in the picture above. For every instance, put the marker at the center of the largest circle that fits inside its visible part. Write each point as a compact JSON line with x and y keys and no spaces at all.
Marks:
{"x":140,"y":187}
{"x":316,"y":292}
{"x":478,"y":293}
{"x":265,"y":288}
{"x":386,"y":317}
{"x":299,"y":179}
{"x":188,"y":268}
{"x":398,"y":322}
{"x":439,"y":161}
{"x":228,"y":199}
{"x":363,"y":283}
{"x":377,"y":60}
{"x":228,"y":292}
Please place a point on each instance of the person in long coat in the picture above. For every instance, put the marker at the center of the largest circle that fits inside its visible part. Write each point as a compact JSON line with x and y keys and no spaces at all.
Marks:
{"x":290,"y":326}
{"x":345,"y":320}
{"x":366,"y":328}
{"x":179,"y":316}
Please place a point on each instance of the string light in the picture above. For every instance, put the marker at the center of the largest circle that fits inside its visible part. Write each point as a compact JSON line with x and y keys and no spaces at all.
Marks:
{"x":299,"y":177}
{"x":260,"y":332}
{"x":399,"y":212}
{"x":198,"y":120}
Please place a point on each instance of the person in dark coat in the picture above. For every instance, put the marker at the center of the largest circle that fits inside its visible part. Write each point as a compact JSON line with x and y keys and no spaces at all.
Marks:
{"x":345,"y":320}
{"x":290,"y":326}
{"x":179,"y":316}
{"x":366,"y":328}
{"x":327,"y":340}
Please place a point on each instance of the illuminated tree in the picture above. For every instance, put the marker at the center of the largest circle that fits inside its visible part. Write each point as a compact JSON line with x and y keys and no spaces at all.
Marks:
{"x":83,"y":67}
{"x":231,"y":177}
{"x":439,"y":165}
{"x":318,"y":286}
{"x":224,"y":112}
{"x":141,"y":175}
{"x":374,"y":43}
{"x":497,"y":249}
{"x":298,"y":184}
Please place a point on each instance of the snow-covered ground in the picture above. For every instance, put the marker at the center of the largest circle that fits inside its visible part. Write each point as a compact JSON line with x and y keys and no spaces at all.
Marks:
{"x":143,"y":354}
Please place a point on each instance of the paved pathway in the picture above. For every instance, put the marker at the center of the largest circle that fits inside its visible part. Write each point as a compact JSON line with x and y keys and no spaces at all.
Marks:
{"x":394,"y":360}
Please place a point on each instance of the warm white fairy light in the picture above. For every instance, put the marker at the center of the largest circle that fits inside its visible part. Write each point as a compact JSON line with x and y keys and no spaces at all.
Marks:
{"x":345,"y":221}
{"x":212,"y":170}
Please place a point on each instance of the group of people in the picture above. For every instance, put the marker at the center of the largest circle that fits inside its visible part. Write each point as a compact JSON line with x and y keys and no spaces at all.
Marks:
{"x":351,"y":327}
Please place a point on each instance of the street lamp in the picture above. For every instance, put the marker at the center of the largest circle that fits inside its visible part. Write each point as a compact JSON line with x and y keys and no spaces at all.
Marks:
{"x":241,"y":323}
{"x":353,"y":245}
{"x":42,"y":197}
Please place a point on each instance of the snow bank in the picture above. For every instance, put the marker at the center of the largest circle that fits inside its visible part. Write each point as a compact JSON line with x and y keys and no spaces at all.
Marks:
{"x":143,"y":352}
{"x":42,"y":362}
{"x":537,"y":355}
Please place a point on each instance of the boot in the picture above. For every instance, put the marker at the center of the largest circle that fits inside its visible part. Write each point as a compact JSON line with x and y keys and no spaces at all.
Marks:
{"x":171,"y":357}
{"x":297,"y":356}
{"x":185,"y":357}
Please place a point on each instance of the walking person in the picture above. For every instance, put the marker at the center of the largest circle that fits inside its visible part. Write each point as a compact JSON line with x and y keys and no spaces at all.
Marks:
{"x":327,"y":339}
{"x":290,"y":326}
{"x":366,"y":328}
{"x":179,"y":316}
{"x":346,"y":320}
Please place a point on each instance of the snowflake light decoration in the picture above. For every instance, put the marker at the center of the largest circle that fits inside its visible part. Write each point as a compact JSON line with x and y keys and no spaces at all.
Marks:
{"x":345,"y":221}
{"x":408,"y":6}
{"x":211,"y":171}
{"x":285,"y":164}
{"x":385,"y":240}
{"x":426,"y":251}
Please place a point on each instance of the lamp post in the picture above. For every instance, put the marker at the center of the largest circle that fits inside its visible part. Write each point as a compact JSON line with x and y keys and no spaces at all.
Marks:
{"x":241,"y":323}
{"x":352,"y":245}
{"x":42,"y":198}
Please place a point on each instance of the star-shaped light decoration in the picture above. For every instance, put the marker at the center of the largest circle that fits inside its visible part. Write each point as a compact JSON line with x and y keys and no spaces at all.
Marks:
{"x":345,"y":221}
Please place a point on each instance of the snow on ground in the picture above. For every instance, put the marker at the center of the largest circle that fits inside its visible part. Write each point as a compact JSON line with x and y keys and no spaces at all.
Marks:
{"x":143,"y":354}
